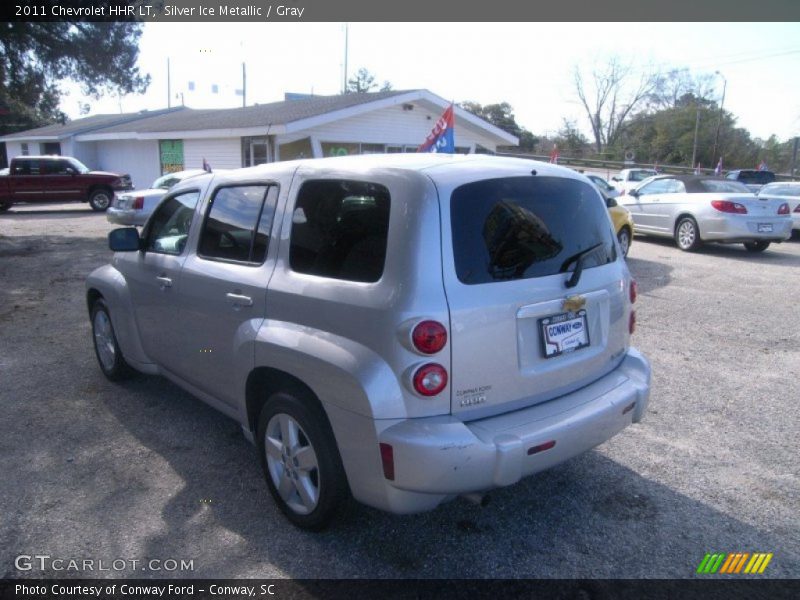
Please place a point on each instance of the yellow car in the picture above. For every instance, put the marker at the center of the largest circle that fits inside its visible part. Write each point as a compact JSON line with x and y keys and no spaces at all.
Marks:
{"x":623,"y":224}
{"x":621,"y":216}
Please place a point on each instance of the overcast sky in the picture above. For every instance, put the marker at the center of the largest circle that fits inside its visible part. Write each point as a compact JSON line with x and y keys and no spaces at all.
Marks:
{"x":528,"y":65}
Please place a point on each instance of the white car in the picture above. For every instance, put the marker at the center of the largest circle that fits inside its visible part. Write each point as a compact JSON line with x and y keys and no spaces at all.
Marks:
{"x":788,"y":191}
{"x":133,"y":208}
{"x":630,"y":178}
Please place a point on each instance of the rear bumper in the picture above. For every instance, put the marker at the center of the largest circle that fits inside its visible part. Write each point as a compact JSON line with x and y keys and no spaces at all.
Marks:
{"x":442,"y":456}
{"x":737,"y":229}
{"x":122,"y":216}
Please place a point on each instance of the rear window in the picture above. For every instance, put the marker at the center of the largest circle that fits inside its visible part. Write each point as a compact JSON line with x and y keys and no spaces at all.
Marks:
{"x":526,"y":227}
{"x":723,"y":186}
{"x":340,"y":229}
{"x":781,"y":190}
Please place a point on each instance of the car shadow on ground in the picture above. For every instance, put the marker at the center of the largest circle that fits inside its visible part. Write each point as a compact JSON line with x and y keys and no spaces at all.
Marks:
{"x":649,"y":275}
{"x":772,"y":255}
{"x":601,"y":518}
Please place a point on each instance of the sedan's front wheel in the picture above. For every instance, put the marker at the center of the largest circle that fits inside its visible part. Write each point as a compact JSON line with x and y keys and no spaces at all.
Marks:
{"x":757,"y":246}
{"x":687,"y":235}
{"x":300,"y":459}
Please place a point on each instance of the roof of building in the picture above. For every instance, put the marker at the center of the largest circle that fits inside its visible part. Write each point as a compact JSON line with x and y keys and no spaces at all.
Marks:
{"x":295,"y":113}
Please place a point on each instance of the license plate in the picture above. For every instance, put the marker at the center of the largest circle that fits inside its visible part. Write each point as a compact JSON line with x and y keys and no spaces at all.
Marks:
{"x":564,"y":333}
{"x":765,"y":228}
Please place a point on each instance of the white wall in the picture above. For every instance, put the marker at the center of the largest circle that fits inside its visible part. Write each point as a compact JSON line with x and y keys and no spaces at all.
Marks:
{"x":137,"y":158}
{"x":14,"y":149}
{"x":86,"y":152}
{"x":224,"y":153}
{"x":393,"y":126}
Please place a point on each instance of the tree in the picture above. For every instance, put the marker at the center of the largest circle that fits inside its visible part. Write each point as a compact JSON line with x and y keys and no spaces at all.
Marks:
{"x":611,"y":96}
{"x":571,"y":140}
{"x":364,"y":82}
{"x":502,"y":116}
{"x":36,"y":56}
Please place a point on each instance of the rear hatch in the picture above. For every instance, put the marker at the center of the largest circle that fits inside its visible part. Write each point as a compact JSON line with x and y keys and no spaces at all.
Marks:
{"x":519,"y":335}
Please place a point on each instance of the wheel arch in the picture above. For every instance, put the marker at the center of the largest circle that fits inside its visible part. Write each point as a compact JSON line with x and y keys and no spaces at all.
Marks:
{"x":263,"y":382}
{"x":682,"y":215}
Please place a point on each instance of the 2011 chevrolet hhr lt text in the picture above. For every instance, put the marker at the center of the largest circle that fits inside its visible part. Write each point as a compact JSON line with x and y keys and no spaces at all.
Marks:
{"x":402,"y":328}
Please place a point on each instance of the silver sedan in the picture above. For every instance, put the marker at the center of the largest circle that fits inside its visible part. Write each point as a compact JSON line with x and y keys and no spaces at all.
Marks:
{"x":786,"y":191}
{"x":697,"y":209}
{"x":134,"y":208}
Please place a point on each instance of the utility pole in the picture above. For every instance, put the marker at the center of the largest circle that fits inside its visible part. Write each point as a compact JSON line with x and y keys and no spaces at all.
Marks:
{"x":169,"y":87}
{"x":794,"y":157}
{"x":344,"y":83}
{"x":244,"y":85}
{"x":719,"y":120}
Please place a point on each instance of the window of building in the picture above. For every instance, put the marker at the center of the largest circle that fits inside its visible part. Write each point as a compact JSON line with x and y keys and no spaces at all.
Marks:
{"x":51,"y":148}
{"x":340,"y":229}
{"x":297,"y":149}
{"x":24,"y":149}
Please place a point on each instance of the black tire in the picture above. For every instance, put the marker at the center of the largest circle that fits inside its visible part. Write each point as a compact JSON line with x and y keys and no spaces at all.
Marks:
{"x":106,"y":349}
{"x":687,"y":235}
{"x":624,"y":236}
{"x":312,"y":488}
{"x":100,"y":199}
{"x":4,"y":206}
{"x":757,"y":246}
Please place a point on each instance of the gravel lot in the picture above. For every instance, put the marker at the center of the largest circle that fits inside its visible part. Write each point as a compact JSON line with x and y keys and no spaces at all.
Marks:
{"x":141,"y":471}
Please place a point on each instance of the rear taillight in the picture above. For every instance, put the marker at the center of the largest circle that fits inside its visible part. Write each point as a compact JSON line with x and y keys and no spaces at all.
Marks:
{"x":634,"y":291}
{"x":784,"y":209}
{"x":430,"y":379}
{"x":632,"y":322}
{"x":727,"y":206}
{"x":429,"y":337}
{"x":387,"y":460}
{"x":797,"y":208}
{"x":138,"y":203}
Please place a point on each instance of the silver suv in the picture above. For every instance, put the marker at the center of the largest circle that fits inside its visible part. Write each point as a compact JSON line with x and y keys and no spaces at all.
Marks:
{"x":402,"y":328}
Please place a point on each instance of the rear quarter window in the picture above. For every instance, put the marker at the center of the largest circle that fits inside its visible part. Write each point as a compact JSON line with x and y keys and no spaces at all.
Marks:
{"x":340,"y":229}
{"x":526,"y":227}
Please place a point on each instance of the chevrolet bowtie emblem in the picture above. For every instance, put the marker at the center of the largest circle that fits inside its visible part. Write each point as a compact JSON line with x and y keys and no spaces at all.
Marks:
{"x":574,"y":303}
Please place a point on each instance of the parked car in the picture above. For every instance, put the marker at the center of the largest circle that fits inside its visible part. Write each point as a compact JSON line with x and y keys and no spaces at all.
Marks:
{"x":630,"y":178}
{"x":788,"y":191}
{"x":697,"y":209}
{"x":752,"y":178}
{"x":135,"y":207}
{"x":34,"y":179}
{"x":405,"y":328}
{"x":620,"y":216}
{"x":609,"y":191}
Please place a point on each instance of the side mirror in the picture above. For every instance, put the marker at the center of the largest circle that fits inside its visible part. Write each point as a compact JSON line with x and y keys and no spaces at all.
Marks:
{"x":124,"y":239}
{"x":70,"y":171}
{"x":616,"y":179}
{"x":634,"y":193}
{"x":610,"y":202}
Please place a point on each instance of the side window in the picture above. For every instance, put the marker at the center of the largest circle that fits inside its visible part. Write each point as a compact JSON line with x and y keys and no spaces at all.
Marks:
{"x":676,"y":187}
{"x":339,"y":230}
{"x":238,"y":224}
{"x":28,"y":166}
{"x":659,"y":186}
{"x":168,"y":228}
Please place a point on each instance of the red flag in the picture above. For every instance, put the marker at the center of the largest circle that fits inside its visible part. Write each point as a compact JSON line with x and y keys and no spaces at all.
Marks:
{"x":441,"y":138}
{"x":718,"y":170}
{"x":206,"y":166}
{"x":554,"y":154}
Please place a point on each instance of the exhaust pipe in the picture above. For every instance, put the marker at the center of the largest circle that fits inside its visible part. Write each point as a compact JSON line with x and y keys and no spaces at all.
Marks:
{"x":480,"y":499}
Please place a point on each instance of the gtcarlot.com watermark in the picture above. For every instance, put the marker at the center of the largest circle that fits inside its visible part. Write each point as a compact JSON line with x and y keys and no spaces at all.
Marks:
{"x":47,"y":563}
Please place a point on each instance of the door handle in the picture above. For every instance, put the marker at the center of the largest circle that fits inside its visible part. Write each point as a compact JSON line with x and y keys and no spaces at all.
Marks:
{"x":164,"y":281}
{"x":239,"y":299}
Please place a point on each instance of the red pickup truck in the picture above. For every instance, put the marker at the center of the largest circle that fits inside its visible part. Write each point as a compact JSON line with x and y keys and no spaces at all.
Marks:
{"x":58,"y":179}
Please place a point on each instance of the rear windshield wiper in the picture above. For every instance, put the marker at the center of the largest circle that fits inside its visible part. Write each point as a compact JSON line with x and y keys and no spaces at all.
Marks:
{"x":579,"y":257}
